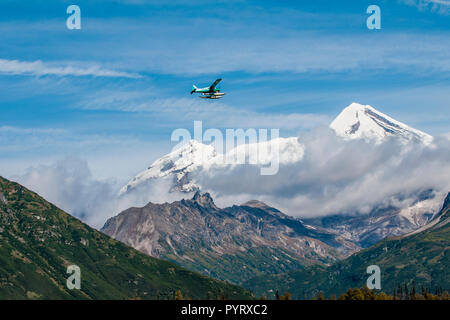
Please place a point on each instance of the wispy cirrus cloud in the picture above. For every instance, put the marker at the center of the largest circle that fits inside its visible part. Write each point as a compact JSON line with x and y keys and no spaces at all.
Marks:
{"x":39,"y":68}
{"x":186,"y":46}
{"x":182,"y":111}
{"x":298,"y":52}
{"x":439,"y":6}
{"x":18,"y":130}
{"x":36,"y":141}
{"x":443,"y":2}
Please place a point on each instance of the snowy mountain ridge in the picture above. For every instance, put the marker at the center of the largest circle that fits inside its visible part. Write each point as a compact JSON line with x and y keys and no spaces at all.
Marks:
{"x":356,"y":121}
{"x":198,"y":156}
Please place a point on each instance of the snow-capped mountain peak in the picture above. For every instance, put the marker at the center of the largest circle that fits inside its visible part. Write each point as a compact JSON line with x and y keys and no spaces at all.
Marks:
{"x":354,"y":122}
{"x":179,"y":162}
{"x":365,"y":122}
{"x":195,"y":155}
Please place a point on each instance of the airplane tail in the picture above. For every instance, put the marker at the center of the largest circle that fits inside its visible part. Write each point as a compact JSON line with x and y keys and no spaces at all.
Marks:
{"x":194,"y":88}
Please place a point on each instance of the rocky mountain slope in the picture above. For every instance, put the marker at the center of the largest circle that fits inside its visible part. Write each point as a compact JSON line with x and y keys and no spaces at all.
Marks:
{"x":383,"y":221}
{"x":38,"y":242}
{"x":234,"y":243}
{"x":422,"y":257}
{"x":356,"y":121}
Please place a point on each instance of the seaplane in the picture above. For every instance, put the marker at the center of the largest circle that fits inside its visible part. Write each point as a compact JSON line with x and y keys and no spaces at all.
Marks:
{"x":211,"y":92}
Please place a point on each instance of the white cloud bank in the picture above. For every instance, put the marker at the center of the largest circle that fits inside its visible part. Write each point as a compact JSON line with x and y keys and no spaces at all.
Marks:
{"x":337,"y":176}
{"x":334,"y":177}
{"x":69,"y":184}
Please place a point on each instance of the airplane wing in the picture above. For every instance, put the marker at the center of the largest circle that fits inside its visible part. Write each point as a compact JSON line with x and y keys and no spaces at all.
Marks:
{"x":213,"y":86}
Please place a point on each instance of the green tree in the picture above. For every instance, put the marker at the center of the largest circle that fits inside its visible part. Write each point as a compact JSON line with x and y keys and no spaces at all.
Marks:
{"x":383,"y":296}
{"x":400,"y":291}
{"x":368,"y":294}
{"x":287,"y":296}
{"x":406,"y":292}
{"x":413,"y":292}
{"x":178,"y":295}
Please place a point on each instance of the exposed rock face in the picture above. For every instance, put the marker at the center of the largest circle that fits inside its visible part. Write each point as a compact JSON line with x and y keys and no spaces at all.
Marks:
{"x":382,"y":222}
{"x":446,"y":202}
{"x":234,"y":243}
{"x":420,"y":259}
{"x":38,"y":242}
{"x":3,"y":199}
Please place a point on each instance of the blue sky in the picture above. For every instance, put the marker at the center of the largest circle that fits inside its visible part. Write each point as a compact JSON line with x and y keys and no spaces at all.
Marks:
{"x":113,"y":92}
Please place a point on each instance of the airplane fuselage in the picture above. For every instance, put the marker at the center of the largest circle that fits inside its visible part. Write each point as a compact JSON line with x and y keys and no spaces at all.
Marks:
{"x":206,"y":90}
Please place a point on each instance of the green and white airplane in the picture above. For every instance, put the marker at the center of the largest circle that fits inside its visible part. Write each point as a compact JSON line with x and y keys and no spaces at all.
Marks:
{"x":210,"y":92}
